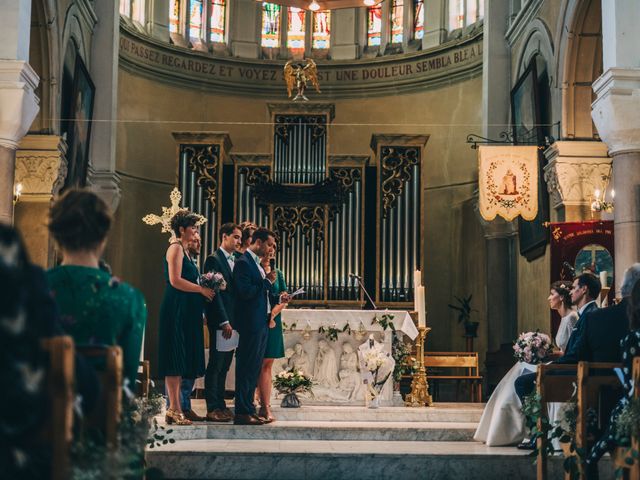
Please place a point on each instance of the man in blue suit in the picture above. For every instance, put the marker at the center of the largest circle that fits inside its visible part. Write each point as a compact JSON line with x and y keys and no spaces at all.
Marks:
{"x":253,"y":302}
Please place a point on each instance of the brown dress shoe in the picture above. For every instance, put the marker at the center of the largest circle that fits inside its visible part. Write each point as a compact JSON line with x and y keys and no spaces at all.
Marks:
{"x":228,"y":413}
{"x":247,"y":420}
{"x":218,"y":416}
{"x":193,"y":416}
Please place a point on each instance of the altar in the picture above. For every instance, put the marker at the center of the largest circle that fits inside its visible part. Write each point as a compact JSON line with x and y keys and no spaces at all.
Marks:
{"x":324,"y":344}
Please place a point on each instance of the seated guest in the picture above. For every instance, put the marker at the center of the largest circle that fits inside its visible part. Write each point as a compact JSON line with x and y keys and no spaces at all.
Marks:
{"x":630,"y":348}
{"x":502,"y":421}
{"x":584,"y":291}
{"x":27,"y":315}
{"x":95,"y":307}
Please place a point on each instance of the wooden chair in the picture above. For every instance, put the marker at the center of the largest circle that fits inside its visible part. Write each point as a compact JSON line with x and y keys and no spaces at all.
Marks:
{"x":557,"y":387}
{"x":106,"y":415}
{"x":144,"y":378}
{"x":58,"y":430}
{"x":630,"y":472}
{"x":467,"y":369}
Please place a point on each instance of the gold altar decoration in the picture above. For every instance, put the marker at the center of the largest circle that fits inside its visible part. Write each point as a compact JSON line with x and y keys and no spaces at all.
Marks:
{"x":508,"y":181}
{"x":419,"y":395}
{"x":298,"y":75}
{"x":168,"y":212}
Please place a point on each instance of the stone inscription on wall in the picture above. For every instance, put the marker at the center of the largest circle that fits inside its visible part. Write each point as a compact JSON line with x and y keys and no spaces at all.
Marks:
{"x":400,"y":72}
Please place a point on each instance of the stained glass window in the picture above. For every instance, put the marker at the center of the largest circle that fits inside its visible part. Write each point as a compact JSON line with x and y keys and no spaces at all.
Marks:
{"x":472,"y":12}
{"x":374,"y":25}
{"x":195,"y":19}
{"x":174,"y":16}
{"x":321,"y":29}
{"x":397,"y":13}
{"x":418,"y":19}
{"x":218,"y":18}
{"x":137,"y":12}
{"x":270,"y":25}
{"x":456,"y":14}
{"x":295,"y":32}
{"x":125,"y":7}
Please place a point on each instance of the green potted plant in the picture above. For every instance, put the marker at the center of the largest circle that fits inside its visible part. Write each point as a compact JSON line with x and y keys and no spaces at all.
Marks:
{"x":464,"y":315}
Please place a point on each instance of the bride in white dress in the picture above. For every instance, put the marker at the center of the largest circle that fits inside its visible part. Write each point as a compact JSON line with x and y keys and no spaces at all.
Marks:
{"x":502,"y":421}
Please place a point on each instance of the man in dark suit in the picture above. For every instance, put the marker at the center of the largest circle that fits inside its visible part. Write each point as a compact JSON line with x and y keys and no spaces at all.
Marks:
{"x":253,"y":302}
{"x":220,"y":318}
{"x":584,"y":291}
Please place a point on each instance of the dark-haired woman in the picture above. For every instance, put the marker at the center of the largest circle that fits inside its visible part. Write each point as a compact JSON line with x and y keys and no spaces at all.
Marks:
{"x":502,"y":421}
{"x":181,"y":338}
{"x":95,"y":307}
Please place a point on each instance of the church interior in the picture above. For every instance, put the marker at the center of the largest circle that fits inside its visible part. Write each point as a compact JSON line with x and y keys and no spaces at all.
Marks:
{"x":432,"y":173}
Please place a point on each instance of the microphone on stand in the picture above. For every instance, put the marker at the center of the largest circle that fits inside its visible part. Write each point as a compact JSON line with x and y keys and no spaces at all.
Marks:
{"x":358,"y":279}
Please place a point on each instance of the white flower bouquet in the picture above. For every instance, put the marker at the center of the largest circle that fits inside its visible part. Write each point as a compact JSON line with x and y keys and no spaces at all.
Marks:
{"x":532,"y":347}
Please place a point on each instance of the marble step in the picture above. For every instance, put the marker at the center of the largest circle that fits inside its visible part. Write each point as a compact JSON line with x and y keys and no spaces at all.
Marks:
{"x":438,"y":412}
{"x":363,"y":460}
{"x":331,"y":430}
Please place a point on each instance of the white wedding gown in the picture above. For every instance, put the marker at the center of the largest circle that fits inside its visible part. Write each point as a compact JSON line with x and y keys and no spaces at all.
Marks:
{"x":502,"y":421}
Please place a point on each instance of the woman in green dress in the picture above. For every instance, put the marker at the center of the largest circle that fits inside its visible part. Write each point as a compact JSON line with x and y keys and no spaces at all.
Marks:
{"x":181,"y":338}
{"x":275,"y":341}
{"x":95,"y":307}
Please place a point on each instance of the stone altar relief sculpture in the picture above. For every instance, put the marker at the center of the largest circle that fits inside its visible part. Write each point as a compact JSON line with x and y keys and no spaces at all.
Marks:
{"x":325,"y":369}
{"x":281,"y":364}
{"x":299,"y":359}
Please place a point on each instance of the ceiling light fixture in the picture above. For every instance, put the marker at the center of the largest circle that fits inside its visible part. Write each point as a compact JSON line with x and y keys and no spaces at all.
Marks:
{"x":313,"y":6}
{"x":369,"y":3}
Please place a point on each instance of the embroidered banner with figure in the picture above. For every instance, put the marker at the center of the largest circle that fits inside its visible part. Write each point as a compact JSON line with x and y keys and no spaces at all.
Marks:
{"x":507,"y":178}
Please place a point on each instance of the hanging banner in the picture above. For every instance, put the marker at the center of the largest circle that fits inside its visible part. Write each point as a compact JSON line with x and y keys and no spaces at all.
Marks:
{"x":508,"y":181}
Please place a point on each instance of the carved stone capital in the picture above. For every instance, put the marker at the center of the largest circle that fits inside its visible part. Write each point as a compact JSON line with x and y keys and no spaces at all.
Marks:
{"x":41,"y":166}
{"x":615,"y":110}
{"x":20,"y":104}
{"x":574,"y":171}
{"x":106,"y":184}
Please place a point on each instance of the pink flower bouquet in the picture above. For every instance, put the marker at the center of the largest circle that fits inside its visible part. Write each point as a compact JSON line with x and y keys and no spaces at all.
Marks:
{"x":532,"y":347}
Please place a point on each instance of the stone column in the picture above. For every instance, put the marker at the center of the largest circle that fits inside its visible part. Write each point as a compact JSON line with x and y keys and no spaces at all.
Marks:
{"x":573,"y":172}
{"x":615,"y":114}
{"x":104,"y":73}
{"x":344,"y":28}
{"x":158,"y":20}
{"x":41,"y":168}
{"x":245,"y":22}
{"x":435,"y":16}
{"x":18,"y":101}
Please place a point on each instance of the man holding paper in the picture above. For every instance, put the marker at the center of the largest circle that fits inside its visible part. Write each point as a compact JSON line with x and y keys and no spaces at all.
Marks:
{"x":220,"y":315}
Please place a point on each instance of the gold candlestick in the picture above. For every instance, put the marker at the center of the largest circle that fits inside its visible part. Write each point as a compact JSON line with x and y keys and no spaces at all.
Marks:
{"x":419,"y":396}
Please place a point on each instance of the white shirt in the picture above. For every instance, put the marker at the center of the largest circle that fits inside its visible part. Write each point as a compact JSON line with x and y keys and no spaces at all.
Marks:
{"x":231,"y":260}
{"x":262,"y":272}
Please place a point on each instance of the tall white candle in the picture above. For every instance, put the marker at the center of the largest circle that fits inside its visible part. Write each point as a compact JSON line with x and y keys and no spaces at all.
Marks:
{"x":603,"y":278}
{"x":417,"y":278}
{"x":422,"y":314}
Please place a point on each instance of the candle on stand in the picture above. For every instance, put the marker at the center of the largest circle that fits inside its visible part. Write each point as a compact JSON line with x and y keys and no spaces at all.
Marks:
{"x":420,"y":306}
{"x":603,"y":278}
{"x":417,"y":281}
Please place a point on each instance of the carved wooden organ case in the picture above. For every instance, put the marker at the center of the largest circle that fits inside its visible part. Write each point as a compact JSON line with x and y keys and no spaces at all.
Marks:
{"x":333,"y":214}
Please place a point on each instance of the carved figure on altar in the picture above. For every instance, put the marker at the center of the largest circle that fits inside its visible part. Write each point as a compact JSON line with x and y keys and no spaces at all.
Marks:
{"x":281,"y":364}
{"x":299,"y":359}
{"x":509,"y":184}
{"x":349,"y":384}
{"x":325,"y":370}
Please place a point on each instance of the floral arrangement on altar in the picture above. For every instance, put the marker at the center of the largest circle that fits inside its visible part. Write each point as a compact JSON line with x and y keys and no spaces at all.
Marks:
{"x":332,"y":332}
{"x":213,"y":280}
{"x":292,"y":381}
{"x":380,"y":366}
{"x":532,"y":347}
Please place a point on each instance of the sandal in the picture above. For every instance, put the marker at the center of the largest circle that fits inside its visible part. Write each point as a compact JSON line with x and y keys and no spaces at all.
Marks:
{"x":178,"y":418}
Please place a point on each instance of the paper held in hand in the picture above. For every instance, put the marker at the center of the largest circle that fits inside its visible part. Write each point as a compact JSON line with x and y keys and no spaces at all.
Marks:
{"x":224,"y":344}
{"x":299,"y":291}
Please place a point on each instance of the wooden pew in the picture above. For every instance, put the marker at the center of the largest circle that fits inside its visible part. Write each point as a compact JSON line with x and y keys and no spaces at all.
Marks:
{"x":592,"y":378}
{"x":106,"y":415}
{"x":466,"y":365}
{"x":144,"y":377}
{"x":58,"y":430}
{"x":621,"y":453}
{"x":557,"y":387}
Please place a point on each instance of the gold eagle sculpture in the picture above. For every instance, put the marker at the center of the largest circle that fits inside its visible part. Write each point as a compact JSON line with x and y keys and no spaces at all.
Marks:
{"x":297,"y":75}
